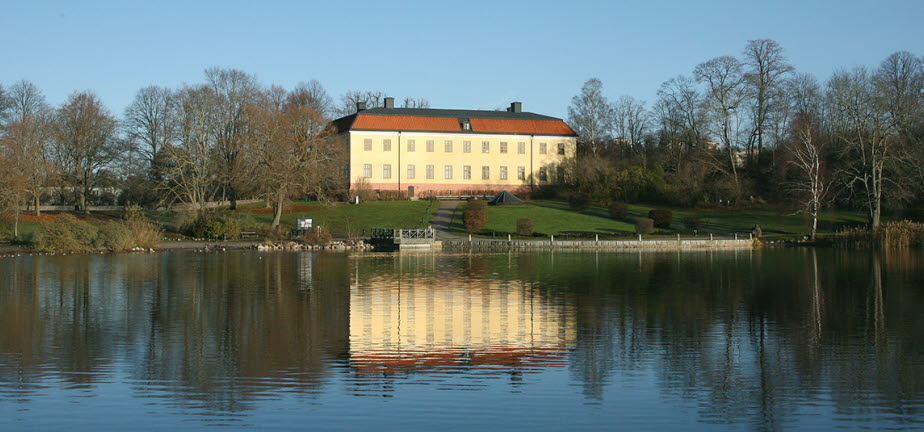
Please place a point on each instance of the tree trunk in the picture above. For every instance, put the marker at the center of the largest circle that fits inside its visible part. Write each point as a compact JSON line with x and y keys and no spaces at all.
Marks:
{"x":233,"y":197}
{"x":38,"y":202}
{"x":16,"y":223}
{"x":277,"y":216}
{"x":814,"y":219}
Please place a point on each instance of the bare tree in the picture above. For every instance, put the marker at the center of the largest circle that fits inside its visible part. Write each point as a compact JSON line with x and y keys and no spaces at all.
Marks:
{"x":868,"y":134}
{"x":724,"y":93}
{"x":899,"y":80}
{"x":348,"y":100}
{"x":5,"y":103}
{"x":806,"y":95}
{"x":85,"y":142}
{"x":235,"y":92}
{"x":312,"y":94}
{"x":29,"y":134}
{"x":631,"y":122}
{"x":149,"y":123}
{"x":25,"y":100}
{"x":765,"y":77}
{"x":191,"y":167}
{"x":292,"y":150}
{"x":807,"y":158}
{"x":680,"y":115}
{"x":415,"y":103}
{"x":591,"y":115}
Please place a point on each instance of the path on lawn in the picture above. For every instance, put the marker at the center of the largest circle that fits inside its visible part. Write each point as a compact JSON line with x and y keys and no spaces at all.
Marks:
{"x":442,"y":220}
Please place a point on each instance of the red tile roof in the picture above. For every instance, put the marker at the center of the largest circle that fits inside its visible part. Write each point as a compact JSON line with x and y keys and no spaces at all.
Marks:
{"x":451,"y":124}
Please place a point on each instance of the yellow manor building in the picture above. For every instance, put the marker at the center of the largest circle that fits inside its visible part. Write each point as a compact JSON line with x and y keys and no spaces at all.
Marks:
{"x":450,"y":152}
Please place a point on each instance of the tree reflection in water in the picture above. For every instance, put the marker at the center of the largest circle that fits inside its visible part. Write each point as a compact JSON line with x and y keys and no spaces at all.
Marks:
{"x":744,"y":337}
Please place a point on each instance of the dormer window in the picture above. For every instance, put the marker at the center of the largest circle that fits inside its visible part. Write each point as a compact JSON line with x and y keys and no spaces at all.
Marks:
{"x":466,"y":125}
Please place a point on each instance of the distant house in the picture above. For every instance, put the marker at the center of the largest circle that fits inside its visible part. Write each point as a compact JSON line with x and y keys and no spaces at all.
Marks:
{"x":448,"y":151}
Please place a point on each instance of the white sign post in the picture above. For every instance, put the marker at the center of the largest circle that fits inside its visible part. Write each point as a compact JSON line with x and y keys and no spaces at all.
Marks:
{"x":304,"y":224}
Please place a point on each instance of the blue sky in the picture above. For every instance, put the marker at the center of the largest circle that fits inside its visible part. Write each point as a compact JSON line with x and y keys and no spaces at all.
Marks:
{"x":455,"y":54}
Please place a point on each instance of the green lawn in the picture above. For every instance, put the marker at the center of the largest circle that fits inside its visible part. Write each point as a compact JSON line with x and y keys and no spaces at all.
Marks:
{"x":554,"y":217}
{"x":343,"y":219}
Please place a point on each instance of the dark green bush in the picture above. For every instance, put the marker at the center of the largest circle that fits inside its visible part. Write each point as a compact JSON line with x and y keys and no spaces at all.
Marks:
{"x":218,"y":227}
{"x":619,"y":210}
{"x":692,"y":223}
{"x":579,"y":201}
{"x":661,"y":218}
{"x":525,"y":227}
{"x":644,"y":225}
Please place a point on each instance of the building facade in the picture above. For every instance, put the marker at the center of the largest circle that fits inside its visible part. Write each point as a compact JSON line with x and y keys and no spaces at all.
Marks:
{"x":453,"y":152}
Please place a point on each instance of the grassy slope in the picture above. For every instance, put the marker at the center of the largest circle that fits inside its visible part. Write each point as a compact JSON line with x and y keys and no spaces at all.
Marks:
{"x":554,"y":217}
{"x":341,"y":218}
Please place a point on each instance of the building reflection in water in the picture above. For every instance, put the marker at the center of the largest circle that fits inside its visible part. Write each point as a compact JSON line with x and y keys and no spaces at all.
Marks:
{"x":417,"y":319}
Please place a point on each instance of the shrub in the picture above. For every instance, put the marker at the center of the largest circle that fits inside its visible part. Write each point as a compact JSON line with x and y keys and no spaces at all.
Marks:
{"x":661,"y":218}
{"x":644,"y":225}
{"x":144,"y":233}
{"x":619,"y":210}
{"x":474,"y":220}
{"x":579,"y":201}
{"x":114,"y":236}
{"x":901,"y":235}
{"x":65,"y":234}
{"x":215,"y":227}
{"x":181,"y":221}
{"x":478,"y":205}
{"x":692,"y":223}
{"x":317,"y":236}
{"x":525,"y":227}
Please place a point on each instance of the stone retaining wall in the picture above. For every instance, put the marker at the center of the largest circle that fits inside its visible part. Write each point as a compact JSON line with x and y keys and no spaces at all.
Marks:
{"x":669,"y":244}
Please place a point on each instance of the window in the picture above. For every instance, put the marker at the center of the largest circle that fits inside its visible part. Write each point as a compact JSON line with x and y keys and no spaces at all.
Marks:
{"x":466,"y":124}
{"x":543,"y":148}
{"x":521,"y":173}
{"x":543,"y":174}
{"x":561,"y":148}
{"x":429,"y":145}
{"x":367,"y":170}
{"x":485,"y":172}
{"x":410,"y":145}
{"x":367,"y":144}
{"x":485,"y":147}
{"x":521,"y":148}
{"x":386,"y":171}
{"x":448,"y":171}
{"x":503,"y":173}
{"x":503,"y":147}
{"x":386,"y":145}
{"x":410,"y":171}
{"x":466,"y":146}
{"x":430,"y":171}
{"x":467,"y":172}
{"x":447,"y":146}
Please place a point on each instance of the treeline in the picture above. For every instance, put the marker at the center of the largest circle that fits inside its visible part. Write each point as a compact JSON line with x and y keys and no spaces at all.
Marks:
{"x":225,"y":138}
{"x":751,"y":129}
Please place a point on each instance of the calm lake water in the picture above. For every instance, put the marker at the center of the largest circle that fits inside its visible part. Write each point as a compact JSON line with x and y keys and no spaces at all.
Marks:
{"x":767,"y":340}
